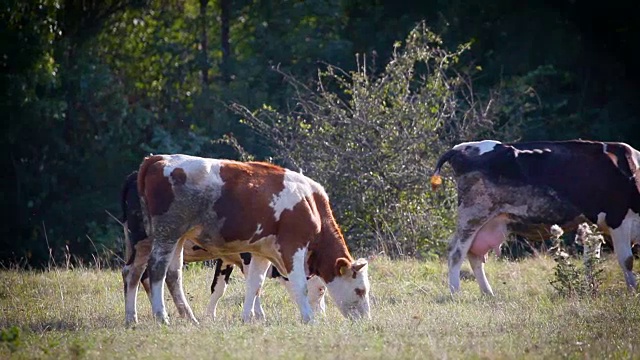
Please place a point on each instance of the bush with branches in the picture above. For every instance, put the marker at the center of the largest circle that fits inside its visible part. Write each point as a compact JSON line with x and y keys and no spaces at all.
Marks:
{"x":372,"y":138}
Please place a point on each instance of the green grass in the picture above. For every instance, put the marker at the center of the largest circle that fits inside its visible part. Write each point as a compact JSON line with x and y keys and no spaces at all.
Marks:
{"x":80,"y":314}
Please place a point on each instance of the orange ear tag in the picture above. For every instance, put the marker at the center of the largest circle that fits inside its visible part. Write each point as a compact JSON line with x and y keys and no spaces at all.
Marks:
{"x":436,"y":181}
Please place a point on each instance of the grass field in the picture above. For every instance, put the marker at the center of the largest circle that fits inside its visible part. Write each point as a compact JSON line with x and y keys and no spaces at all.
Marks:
{"x":67,"y":314}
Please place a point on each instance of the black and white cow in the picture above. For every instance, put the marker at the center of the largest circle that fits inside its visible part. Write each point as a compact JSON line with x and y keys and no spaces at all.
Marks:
{"x":137,"y":241}
{"x":524,"y":188}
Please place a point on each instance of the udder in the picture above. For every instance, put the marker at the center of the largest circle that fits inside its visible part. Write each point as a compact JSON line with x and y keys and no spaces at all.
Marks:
{"x":490,"y":236}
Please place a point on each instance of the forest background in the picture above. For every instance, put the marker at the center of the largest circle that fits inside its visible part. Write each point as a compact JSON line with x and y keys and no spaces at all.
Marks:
{"x":360,"y":95}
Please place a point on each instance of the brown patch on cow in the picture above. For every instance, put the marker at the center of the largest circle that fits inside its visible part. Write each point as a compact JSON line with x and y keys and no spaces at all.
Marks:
{"x":153,"y":186}
{"x":179,"y":176}
{"x":298,"y":228}
{"x":329,"y":245}
{"x":628,"y":263}
{"x":360,"y":292}
{"x":192,"y":234}
{"x":252,"y":185}
{"x":142,"y":172}
{"x":143,"y":249}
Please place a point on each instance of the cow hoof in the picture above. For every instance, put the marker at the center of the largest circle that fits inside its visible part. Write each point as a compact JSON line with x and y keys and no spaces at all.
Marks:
{"x":210,"y":314}
{"x":130,"y":324}
{"x":131,"y":321}
{"x":260,"y":316}
{"x":162,"y":318}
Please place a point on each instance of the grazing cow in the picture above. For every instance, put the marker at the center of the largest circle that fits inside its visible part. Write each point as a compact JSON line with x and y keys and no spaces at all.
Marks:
{"x":228,"y":207}
{"x":136,"y":237}
{"x":523,"y":188}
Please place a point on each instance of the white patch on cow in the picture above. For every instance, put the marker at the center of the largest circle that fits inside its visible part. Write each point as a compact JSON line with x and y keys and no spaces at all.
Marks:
{"x":483,"y":146}
{"x":157,"y":301}
{"x":296,"y":188}
{"x":258,"y":229}
{"x":298,"y":284}
{"x":601,"y":220}
{"x":622,"y":237}
{"x":207,"y":171}
{"x":633,"y":157}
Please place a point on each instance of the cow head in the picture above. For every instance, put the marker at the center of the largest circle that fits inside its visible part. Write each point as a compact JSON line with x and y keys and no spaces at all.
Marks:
{"x":350,"y":288}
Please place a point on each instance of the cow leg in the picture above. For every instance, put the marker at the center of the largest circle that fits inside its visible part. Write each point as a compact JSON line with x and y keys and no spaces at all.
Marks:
{"x":622,"y":247}
{"x":477,"y":265}
{"x":257,"y":305}
{"x":161,"y":256}
{"x":455,"y":263}
{"x":218,"y":286}
{"x":298,"y":285}
{"x":176,"y":289}
{"x":255,"y":276}
{"x":257,"y":309}
{"x":316,"y":290}
{"x":131,"y":275}
{"x":145,"y":282}
{"x":458,"y":249}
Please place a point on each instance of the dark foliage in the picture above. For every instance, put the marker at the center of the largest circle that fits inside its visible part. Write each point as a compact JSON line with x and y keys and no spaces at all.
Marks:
{"x":90,"y":87}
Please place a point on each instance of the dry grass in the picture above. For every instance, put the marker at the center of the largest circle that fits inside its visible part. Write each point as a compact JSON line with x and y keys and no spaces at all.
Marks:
{"x":80,"y":314}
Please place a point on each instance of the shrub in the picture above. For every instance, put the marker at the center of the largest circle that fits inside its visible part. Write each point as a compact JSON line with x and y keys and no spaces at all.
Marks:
{"x":570,"y":280}
{"x":371,"y":138}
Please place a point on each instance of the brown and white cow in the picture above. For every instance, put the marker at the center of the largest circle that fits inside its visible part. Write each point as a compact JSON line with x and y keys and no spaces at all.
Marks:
{"x":524,"y":188}
{"x":228,"y":207}
{"x":136,"y":237}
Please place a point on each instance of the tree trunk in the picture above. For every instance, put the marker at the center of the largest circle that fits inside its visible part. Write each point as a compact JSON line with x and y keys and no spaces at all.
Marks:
{"x":204,"y":44}
{"x":225,"y":14}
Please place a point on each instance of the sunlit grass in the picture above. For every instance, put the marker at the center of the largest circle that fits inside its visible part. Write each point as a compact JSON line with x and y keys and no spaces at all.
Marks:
{"x":80,"y":314}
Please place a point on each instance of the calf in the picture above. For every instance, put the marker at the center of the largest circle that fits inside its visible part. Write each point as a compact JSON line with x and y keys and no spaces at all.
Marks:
{"x":524,"y":188}
{"x":136,"y":237}
{"x":228,"y":207}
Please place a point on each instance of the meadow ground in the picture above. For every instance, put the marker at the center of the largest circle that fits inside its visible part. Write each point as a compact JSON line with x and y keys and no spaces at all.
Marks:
{"x":79,"y":313}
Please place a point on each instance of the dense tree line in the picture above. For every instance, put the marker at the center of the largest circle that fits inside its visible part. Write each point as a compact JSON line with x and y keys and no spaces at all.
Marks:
{"x":361,"y":95}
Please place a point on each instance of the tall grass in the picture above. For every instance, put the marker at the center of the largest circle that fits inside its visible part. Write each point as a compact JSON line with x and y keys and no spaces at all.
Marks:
{"x":79,"y":313}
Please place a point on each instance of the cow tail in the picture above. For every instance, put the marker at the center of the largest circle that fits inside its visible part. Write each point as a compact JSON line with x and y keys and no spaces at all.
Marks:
{"x":131,"y":179}
{"x":442,"y":160}
{"x":436,"y":180}
{"x":142,"y":173}
{"x":123,"y":205}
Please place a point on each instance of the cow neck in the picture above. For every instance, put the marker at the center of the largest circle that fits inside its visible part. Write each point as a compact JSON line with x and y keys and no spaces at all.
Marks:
{"x":328,"y":246}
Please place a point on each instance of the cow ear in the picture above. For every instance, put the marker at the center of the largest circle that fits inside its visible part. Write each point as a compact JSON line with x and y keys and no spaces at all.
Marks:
{"x":358,"y":265}
{"x":342,"y":265}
